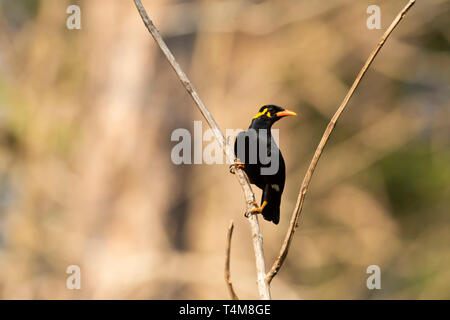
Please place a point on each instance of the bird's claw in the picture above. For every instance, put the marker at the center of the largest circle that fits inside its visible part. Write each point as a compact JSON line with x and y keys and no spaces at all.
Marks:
{"x":255,"y":210}
{"x":235,"y":165}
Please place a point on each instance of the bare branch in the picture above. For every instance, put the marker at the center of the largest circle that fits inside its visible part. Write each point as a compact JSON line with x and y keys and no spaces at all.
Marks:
{"x":263,"y":287}
{"x":307,"y":179}
{"x":231,"y":291}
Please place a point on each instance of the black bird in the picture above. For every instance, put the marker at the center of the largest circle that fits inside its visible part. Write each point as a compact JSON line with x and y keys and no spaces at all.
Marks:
{"x":262,"y":161}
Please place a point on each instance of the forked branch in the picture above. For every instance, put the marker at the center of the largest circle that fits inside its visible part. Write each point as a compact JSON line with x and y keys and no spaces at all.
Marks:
{"x":264,"y":280}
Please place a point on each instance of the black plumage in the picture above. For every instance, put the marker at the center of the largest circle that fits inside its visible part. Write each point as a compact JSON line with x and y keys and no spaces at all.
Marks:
{"x":262,"y":160}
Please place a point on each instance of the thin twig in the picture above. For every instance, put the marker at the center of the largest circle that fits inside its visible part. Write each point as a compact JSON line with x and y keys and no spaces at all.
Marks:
{"x":231,"y":291}
{"x":263,"y":286}
{"x":304,"y":188}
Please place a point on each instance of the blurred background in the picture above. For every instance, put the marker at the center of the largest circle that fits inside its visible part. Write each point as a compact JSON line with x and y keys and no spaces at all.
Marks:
{"x":86,"y":176}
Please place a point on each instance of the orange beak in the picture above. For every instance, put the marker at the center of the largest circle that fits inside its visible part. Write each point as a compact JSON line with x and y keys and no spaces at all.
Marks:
{"x":285,"y":113}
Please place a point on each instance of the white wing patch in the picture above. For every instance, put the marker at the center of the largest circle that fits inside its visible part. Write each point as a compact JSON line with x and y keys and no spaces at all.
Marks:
{"x":275,"y":187}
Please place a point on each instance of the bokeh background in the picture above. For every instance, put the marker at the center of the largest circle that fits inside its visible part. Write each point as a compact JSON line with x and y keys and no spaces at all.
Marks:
{"x":86,"y":176}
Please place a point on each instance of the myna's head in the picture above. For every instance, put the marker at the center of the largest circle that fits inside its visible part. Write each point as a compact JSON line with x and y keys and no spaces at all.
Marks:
{"x":269,"y":114}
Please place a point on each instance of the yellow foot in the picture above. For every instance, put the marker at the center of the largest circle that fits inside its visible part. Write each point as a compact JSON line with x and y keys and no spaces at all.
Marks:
{"x":235,"y":165}
{"x":256,"y":210}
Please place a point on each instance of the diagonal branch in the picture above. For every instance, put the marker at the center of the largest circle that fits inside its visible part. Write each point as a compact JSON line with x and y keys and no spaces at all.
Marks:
{"x":231,"y":291}
{"x":263,"y":286}
{"x":305,"y":184}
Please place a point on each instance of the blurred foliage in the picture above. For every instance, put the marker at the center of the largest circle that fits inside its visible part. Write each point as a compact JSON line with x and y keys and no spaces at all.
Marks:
{"x":85,"y":171}
{"x":415,"y":178}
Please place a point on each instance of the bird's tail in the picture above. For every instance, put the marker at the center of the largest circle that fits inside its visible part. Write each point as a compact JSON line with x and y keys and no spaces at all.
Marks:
{"x":271,"y":212}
